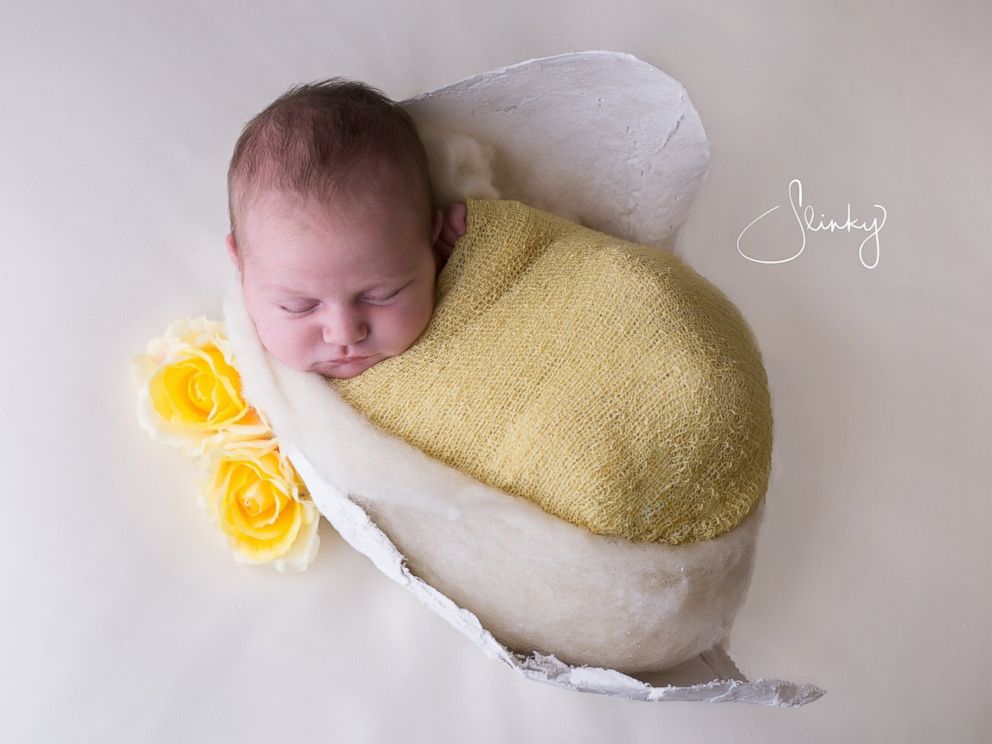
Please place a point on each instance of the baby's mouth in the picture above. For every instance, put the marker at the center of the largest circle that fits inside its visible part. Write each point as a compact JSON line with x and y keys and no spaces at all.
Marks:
{"x":341,"y":362}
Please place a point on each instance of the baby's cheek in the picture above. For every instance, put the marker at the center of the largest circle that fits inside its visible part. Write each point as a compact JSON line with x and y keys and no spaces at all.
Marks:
{"x":277,"y":342}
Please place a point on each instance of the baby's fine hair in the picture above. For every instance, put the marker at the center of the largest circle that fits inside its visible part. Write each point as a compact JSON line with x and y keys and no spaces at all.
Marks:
{"x":338,"y":141}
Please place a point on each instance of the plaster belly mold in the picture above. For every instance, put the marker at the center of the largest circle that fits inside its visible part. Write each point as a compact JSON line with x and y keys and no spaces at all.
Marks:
{"x":610,"y":141}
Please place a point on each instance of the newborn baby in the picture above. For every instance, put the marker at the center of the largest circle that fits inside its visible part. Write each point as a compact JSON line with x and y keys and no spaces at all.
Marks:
{"x":646,"y":418}
{"x":334,"y":230}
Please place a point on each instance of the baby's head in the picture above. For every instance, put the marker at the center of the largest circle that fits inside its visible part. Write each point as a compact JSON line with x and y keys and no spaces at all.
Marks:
{"x":333,"y":227}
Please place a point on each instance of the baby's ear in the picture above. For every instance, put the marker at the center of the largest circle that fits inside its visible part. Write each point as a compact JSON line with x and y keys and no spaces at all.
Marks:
{"x":232,"y":250}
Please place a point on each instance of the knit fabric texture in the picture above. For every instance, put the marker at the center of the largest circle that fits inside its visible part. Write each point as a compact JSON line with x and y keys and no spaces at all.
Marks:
{"x":606,"y":381}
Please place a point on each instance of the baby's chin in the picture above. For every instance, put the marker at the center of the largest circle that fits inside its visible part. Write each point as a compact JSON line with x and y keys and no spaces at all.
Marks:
{"x":339,"y":375}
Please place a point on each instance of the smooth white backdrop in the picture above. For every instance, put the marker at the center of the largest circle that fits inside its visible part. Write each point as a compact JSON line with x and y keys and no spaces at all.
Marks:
{"x":124,"y":616}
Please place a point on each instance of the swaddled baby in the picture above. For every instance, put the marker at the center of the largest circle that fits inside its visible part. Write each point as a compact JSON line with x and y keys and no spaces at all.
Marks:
{"x":607,"y":384}
{"x":605,"y":381}
{"x":334,"y":229}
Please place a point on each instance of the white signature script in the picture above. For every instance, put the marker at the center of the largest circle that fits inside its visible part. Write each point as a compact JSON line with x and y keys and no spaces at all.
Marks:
{"x":806,"y":224}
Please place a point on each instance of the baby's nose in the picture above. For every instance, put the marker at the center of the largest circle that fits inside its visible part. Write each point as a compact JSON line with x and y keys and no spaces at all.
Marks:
{"x":346,"y":333}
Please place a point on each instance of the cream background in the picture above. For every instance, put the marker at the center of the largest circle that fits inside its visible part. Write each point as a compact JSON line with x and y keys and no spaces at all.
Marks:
{"x":124,"y":616}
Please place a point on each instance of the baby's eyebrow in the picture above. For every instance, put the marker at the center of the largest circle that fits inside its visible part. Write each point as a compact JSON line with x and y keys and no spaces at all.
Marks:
{"x":376,"y":285}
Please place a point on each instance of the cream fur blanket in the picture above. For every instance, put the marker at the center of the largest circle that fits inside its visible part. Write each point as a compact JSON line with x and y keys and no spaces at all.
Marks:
{"x":535,"y":581}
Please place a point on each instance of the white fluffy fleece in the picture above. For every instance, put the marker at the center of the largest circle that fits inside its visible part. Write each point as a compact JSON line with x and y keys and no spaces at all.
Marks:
{"x":535,"y":581}
{"x":460,"y":165}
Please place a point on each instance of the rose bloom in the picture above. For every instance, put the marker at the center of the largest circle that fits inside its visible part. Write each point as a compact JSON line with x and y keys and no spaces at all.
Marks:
{"x":253,"y":493}
{"x":189,"y":393}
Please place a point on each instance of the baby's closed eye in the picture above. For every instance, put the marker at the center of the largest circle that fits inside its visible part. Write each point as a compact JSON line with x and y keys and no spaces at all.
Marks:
{"x":378,"y":299}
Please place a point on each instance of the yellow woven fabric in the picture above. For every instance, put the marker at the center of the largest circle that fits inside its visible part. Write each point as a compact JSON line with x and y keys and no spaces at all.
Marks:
{"x":606,"y":381}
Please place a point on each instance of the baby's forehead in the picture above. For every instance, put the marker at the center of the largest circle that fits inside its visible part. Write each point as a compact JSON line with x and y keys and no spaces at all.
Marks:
{"x":269,"y":203}
{"x":395,"y":216}
{"x":343,"y":211}
{"x":339,"y":249}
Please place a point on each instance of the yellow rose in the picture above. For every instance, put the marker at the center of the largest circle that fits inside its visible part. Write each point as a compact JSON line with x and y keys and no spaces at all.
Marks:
{"x":189,"y":393}
{"x":255,"y":496}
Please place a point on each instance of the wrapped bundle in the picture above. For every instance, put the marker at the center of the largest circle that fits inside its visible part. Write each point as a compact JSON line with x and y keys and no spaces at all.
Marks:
{"x":605,"y":381}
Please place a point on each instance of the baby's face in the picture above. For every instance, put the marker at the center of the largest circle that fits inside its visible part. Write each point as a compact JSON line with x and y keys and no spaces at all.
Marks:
{"x":319,"y":289}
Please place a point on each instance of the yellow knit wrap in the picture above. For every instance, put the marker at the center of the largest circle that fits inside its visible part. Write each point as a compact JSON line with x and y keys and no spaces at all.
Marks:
{"x":605,"y":381}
